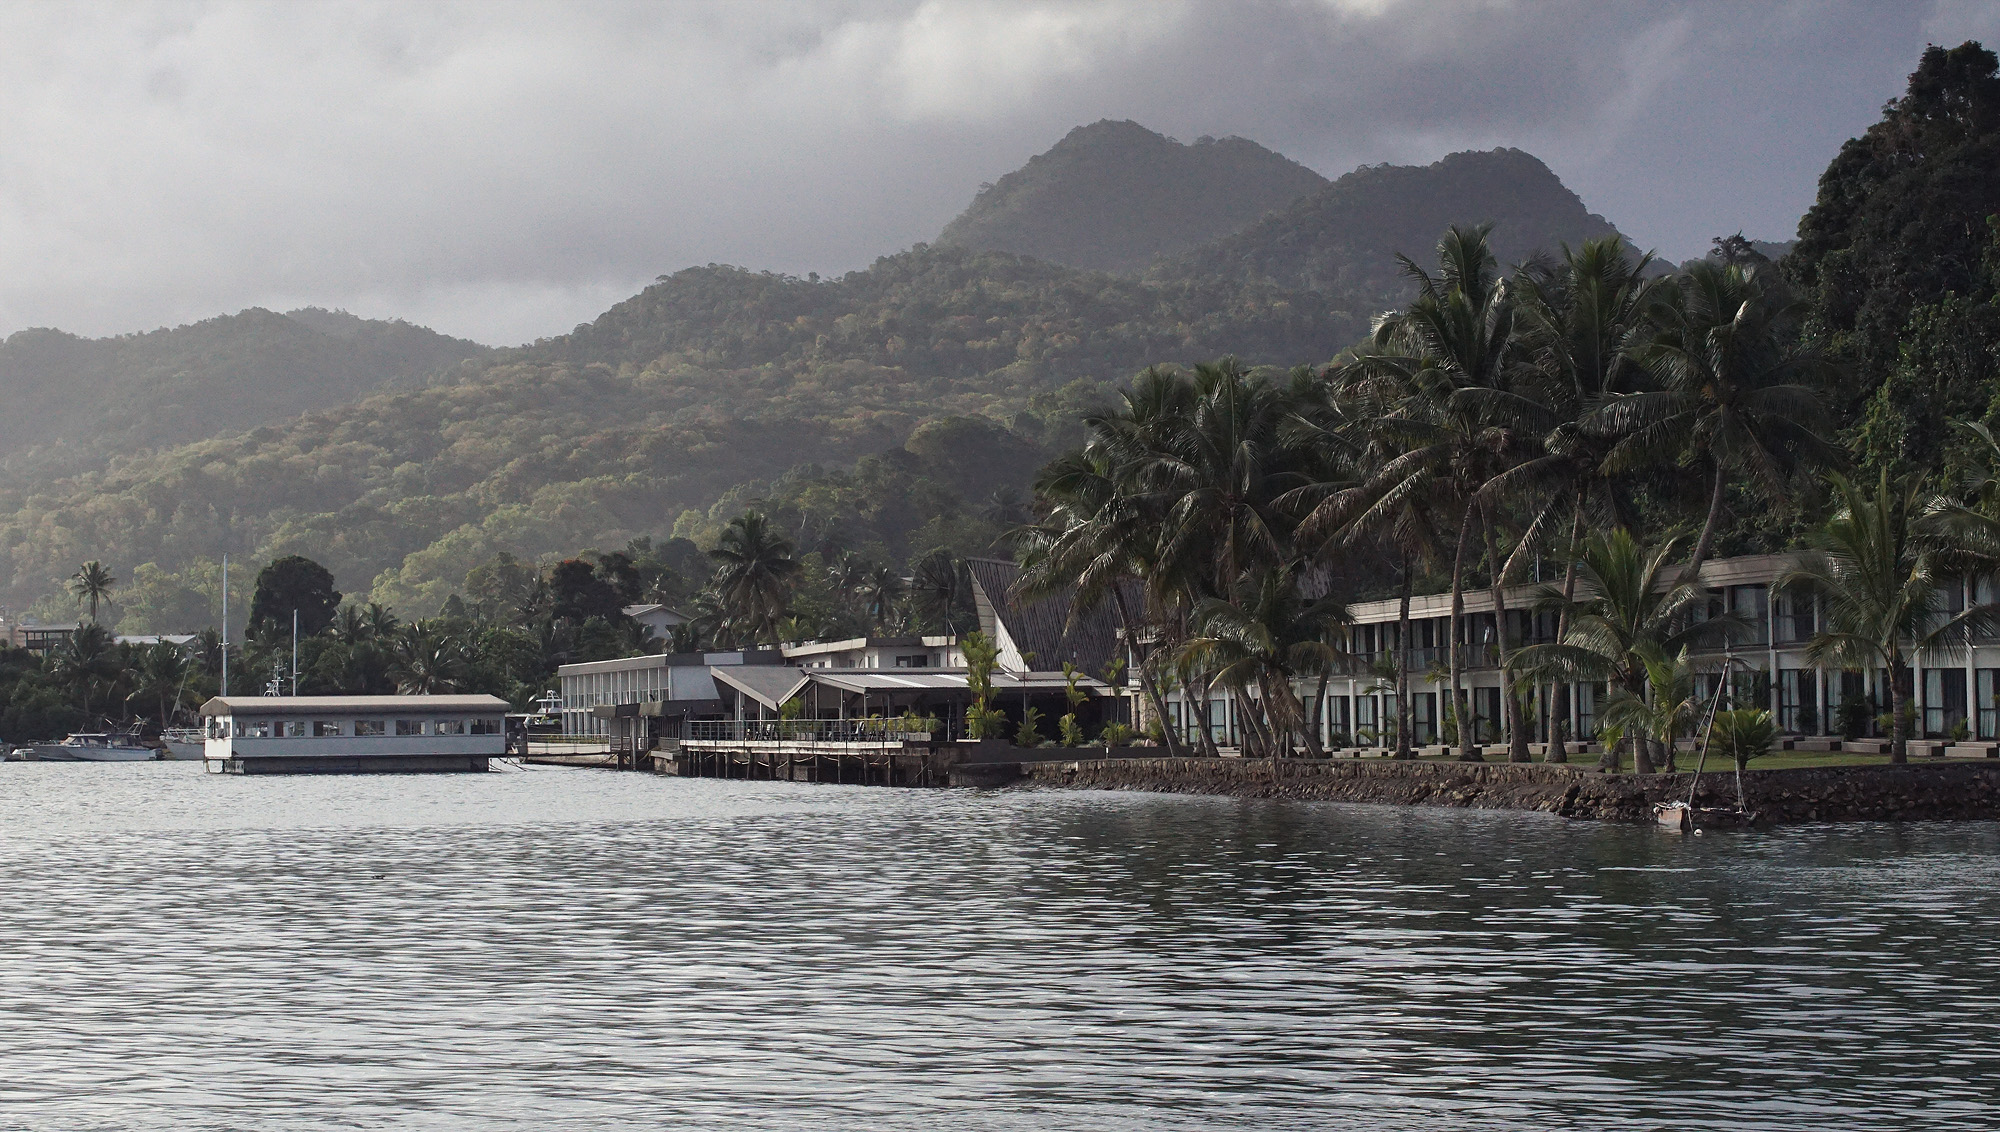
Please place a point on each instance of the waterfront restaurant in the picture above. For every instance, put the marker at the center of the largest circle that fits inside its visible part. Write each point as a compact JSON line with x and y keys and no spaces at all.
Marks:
{"x":352,"y":734}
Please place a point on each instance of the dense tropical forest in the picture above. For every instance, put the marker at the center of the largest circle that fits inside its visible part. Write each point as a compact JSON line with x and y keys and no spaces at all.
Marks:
{"x":789,"y":458}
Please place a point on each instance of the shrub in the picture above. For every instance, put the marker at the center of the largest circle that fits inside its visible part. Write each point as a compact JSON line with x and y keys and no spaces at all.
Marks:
{"x":1069,"y":732}
{"x":1027,"y":736}
{"x":1115,"y":735}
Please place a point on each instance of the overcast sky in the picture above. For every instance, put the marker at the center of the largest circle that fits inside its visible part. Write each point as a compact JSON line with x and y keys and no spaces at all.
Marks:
{"x":503,"y":172}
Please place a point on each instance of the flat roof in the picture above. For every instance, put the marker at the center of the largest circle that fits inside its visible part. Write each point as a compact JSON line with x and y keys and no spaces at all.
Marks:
{"x":330,"y":705}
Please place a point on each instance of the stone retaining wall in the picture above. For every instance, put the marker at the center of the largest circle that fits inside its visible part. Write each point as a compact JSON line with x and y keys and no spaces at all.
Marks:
{"x":1876,"y":793}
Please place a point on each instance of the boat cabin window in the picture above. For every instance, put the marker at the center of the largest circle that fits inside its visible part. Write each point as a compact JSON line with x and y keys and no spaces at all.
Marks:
{"x":451,"y":727}
{"x":368,"y":727}
{"x":218,"y":728}
{"x":488,"y":726}
{"x":409,"y":727}
{"x":295,"y":729}
{"x":322,"y":728}
{"x":253,"y":729}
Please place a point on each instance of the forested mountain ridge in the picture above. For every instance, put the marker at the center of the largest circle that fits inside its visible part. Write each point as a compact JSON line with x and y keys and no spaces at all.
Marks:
{"x":1344,"y":239}
{"x":697,"y":393}
{"x":71,"y":401}
{"x":1115,"y":196}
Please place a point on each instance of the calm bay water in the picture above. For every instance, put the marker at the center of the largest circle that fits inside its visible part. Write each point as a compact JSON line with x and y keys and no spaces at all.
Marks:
{"x":550,"y":949}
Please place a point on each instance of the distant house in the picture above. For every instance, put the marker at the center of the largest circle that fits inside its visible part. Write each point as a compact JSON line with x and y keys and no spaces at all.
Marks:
{"x":878,"y":652}
{"x":33,"y":636}
{"x":352,"y":734}
{"x":658,"y":618}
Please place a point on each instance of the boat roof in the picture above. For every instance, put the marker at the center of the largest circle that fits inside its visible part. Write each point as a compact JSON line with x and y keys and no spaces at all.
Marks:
{"x":284,"y":705}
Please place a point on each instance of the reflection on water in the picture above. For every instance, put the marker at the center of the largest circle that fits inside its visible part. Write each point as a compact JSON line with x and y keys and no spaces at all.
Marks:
{"x":584,"y":950}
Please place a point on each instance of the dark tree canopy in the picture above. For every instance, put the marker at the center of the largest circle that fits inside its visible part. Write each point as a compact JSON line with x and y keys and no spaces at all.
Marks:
{"x":289,"y":583}
{"x":1901,"y":218}
{"x":578,"y":593}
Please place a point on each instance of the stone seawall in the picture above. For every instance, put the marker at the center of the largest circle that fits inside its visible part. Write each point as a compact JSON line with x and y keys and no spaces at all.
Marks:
{"x":1912,"y":792}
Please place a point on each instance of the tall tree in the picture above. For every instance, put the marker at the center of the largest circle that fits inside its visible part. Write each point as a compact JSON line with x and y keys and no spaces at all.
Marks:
{"x":1736,"y":393}
{"x":291,"y":584}
{"x":92,"y":583}
{"x":755,"y":573}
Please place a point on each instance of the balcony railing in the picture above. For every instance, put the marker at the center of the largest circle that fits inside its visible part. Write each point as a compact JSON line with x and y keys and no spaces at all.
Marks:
{"x":810,"y":731}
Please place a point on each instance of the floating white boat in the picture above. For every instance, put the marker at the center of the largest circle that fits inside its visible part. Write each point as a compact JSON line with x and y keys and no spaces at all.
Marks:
{"x":184,"y":743}
{"x":93,"y":747}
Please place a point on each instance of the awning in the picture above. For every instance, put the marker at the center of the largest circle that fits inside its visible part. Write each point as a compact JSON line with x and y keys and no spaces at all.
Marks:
{"x":768,"y":684}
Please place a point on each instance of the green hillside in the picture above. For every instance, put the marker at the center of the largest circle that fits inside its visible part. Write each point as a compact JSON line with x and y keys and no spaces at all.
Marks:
{"x":1344,"y":238}
{"x":1115,"y":196}
{"x":707,"y":386}
{"x":71,"y":402}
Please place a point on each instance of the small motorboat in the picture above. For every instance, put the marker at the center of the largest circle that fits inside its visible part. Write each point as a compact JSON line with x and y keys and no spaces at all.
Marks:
{"x":93,"y":747}
{"x":184,"y":743}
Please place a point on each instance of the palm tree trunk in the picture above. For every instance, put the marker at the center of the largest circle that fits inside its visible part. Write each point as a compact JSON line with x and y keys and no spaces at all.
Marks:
{"x":1317,"y":716}
{"x":1510,"y":712}
{"x":1642,"y":754}
{"x":1468,"y":751}
{"x":1559,"y":726}
{"x":1706,"y":542}
{"x":1405,"y":749}
{"x":1899,"y":739}
{"x":1146,"y":684}
{"x":1207,"y":743}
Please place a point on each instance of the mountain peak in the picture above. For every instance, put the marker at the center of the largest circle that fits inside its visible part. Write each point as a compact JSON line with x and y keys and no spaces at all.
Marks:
{"x":1115,"y":196}
{"x":1345,"y":237}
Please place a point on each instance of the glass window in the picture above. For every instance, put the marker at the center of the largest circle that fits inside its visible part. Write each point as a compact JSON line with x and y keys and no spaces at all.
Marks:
{"x":295,"y":729}
{"x":487,"y":726}
{"x":409,"y":727}
{"x":325,"y":727}
{"x":257,"y":729}
{"x":450,"y":727}
{"x":368,"y":727}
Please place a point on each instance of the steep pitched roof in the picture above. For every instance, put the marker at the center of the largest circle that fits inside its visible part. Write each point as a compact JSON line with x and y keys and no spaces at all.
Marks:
{"x":1044,"y":627}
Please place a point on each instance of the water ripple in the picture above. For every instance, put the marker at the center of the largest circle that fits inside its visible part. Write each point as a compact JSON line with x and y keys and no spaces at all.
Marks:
{"x":587,"y":950}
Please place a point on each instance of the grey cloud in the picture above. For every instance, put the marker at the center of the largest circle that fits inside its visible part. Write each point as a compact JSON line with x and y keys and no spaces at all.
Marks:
{"x":504,"y":171}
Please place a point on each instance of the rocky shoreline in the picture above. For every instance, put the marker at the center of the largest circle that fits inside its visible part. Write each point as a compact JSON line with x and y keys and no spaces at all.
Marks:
{"x":1912,"y":792}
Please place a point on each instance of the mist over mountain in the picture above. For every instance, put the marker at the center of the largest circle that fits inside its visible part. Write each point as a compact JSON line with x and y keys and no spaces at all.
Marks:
{"x":1343,"y":239}
{"x":1115,"y":196}
{"x":74,"y":401}
{"x":821,"y":401}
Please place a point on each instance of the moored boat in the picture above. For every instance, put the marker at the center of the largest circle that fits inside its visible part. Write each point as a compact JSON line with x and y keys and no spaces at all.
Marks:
{"x":93,"y":747}
{"x":184,"y":743}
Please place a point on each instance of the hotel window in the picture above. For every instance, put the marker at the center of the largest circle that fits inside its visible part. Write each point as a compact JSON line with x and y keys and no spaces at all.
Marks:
{"x":450,"y":727}
{"x":368,"y":727}
{"x":322,"y":728}
{"x":409,"y":727}
{"x":913,"y":661}
{"x":486,"y":726}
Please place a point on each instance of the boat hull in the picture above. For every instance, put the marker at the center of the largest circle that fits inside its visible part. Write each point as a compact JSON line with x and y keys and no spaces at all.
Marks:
{"x":64,"y":753}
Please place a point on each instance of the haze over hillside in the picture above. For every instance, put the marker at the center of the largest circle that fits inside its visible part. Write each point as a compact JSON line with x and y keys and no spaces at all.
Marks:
{"x":1344,"y":238}
{"x":1115,"y":196}
{"x":71,"y":399}
{"x":718,"y":388}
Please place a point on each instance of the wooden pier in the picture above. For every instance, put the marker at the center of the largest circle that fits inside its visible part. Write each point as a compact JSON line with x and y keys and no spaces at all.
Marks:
{"x":860,"y":763}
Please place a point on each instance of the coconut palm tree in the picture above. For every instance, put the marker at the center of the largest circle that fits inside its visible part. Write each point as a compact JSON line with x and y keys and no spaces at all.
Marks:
{"x":425,"y":660}
{"x":1878,"y":568}
{"x":755,"y":572}
{"x":1626,"y":610}
{"x":1665,"y":709}
{"x":85,"y":663}
{"x":1265,"y":636}
{"x":161,"y":676}
{"x":92,"y":583}
{"x":1735,"y":393}
{"x":1434,"y":366}
{"x":1103,"y":542}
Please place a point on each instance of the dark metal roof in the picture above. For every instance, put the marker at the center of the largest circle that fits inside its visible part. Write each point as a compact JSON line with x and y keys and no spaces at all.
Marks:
{"x":1045,"y":627}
